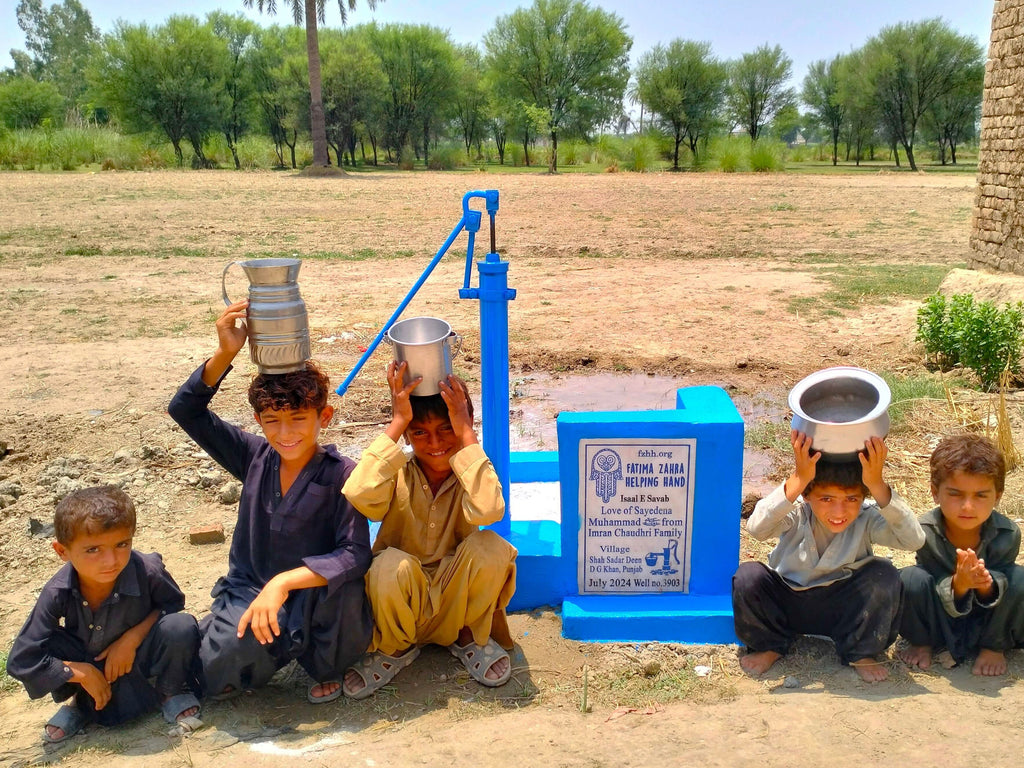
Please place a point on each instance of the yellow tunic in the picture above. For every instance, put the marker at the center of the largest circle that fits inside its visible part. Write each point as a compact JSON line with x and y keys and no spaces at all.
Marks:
{"x":434,"y":571}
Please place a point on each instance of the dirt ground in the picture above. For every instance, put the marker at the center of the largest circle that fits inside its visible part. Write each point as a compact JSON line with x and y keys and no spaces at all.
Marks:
{"x":109,"y":285}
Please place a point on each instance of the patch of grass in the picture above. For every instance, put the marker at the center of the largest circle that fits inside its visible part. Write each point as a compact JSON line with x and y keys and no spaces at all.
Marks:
{"x":83,"y":250}
{"x":7,"y":683}
{"x":856,"y":286}
{"x":769,"y":435}
{"x":908,"y":391}
{"x":360,"y":254}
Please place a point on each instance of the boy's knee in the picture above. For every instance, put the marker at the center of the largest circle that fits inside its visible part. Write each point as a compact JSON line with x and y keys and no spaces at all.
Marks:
{"x":178,"y":628}
{"x":916,"y":580}
{"x":749,"y":577}
{"x":1014,"y":584}
{"x":488,"y":545}
{"x":393,"y":566}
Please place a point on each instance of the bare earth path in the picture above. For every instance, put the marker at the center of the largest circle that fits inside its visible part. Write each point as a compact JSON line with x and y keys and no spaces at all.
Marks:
{"x":109,"y":284}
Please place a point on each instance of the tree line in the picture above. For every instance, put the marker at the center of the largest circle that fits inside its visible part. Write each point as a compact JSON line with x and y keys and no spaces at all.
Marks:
{"x":554,"y":70}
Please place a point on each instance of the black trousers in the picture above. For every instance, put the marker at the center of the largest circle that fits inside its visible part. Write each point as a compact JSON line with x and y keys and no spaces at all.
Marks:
{"x":325,"y":634}
{"x":860,"y":613}
{"x":169,"y":655}
{"x":925,"y":621}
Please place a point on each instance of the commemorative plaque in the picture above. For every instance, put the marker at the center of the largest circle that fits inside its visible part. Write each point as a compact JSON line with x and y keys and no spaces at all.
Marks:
{"x":636,"y":514}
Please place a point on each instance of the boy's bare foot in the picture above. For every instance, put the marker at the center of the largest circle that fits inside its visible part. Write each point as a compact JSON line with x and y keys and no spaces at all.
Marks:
{"x":916,"y":656}
{"x":759,"y":662}
{"x":989,"y":663}
{"x":870,"y":670}
{"x":323,"y":690}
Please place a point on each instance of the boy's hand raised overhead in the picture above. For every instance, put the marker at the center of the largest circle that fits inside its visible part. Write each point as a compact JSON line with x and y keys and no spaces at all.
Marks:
{"x":805,"y":467}
{"x":872,"y":462}
{"x":401,"y":408}
{"x":231,"y":335}
{"x":453,"y":390}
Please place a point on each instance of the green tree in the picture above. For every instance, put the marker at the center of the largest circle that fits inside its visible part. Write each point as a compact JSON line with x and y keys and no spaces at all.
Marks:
{"x":910,"y":67}
{"x":855,"y":93}
{"x":312,"y":11}
{"x":821,"y":95}
{"x":953,"y":116}
{"x":684,"y":85}
{"x":469,"y":102}
{"x":419,"y":63}
{"x":60,"y":41}
{"x":281,"y":83}
{"x":757,"y":88}
{"x":241,"y":36}
{"x":565,"y":58}
{"x":168,"y":79}
{"x":28,"y":103}
{"x":354,"y":88}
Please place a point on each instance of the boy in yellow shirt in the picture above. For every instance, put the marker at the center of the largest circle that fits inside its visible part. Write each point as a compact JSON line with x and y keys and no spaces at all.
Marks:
{"x":436,"y":577}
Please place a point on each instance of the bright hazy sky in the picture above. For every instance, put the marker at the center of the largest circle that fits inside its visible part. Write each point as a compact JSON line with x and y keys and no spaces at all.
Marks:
{"x":807,"y":30}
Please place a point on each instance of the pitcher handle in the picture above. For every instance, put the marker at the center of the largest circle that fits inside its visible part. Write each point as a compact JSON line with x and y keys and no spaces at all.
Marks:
{"x":223,"y":284}
{"x":458,"y":343}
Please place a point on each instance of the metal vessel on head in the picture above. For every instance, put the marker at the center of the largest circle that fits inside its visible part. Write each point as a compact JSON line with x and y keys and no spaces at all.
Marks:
{"x":424,"y":344}
{"x":277,"y":323}
{"x":839,"y":409}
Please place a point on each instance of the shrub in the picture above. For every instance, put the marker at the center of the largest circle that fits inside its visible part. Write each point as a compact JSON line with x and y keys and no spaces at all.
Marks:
{"x":447,"y":157}
{"x":641,"y":154}
{"x":766,"y":156}
{"x":975,"y":334}
{"x":406,"y":158}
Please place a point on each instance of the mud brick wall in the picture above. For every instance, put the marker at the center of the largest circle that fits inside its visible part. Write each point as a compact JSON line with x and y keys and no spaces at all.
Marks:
{"x":997,"y":236}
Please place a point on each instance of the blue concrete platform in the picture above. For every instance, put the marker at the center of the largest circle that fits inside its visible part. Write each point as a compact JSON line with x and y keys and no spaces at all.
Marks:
{"x":694,"y":619}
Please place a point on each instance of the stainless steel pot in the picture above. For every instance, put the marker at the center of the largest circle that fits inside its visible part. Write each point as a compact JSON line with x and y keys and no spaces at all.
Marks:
{"x":425,"y":344}
{"x":839,"y":409}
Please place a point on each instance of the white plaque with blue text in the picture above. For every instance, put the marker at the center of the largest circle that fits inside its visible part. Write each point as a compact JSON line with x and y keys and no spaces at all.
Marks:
{"x":636,"y":505}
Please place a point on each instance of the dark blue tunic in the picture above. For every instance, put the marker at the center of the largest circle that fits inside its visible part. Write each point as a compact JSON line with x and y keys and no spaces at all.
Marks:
{"x":313,"y":525}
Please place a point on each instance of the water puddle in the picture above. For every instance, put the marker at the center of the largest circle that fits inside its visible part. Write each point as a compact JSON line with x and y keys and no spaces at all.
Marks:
{"x":538,"y":398}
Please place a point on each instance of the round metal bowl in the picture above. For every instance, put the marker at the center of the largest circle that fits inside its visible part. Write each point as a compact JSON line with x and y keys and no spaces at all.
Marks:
{"x":839,"y":409}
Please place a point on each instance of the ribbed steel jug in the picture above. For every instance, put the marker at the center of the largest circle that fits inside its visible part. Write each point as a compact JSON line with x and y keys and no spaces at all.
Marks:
{"x":277,"y":323}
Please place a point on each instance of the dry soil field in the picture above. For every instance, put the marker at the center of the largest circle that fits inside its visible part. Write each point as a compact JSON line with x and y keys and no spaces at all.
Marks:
{"x":109,"y":285}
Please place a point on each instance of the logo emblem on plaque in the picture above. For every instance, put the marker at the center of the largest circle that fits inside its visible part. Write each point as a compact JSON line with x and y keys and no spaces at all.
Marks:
{"x":605,"y":470}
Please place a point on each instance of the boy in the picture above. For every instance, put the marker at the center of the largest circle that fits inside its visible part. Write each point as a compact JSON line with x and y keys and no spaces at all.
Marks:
{"x":294,"y":587}
{"x":822,"y":577}
{"x":436,"y":577}
{"x":106,"y":623}
{"x":966,"y":593}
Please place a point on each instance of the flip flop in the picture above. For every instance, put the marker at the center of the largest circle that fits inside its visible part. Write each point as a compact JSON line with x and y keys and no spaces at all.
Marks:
{"x":377,"y":670}
{"x":175,"y":705}
{"x":69,"y":719}
{"x":479,"y":658}
{"x":336,"y":693}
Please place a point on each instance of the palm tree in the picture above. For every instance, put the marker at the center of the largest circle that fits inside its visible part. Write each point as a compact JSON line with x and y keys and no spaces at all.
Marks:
{"x":313,"y":11}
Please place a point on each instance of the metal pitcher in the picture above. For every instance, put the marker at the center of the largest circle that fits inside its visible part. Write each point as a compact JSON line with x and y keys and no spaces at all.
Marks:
{"x":278,"y":326}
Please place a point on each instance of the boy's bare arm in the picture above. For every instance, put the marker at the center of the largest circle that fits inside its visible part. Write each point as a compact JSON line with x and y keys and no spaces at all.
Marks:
{"x":261,"y":615}
{"x":231,"y":336}
{"x":872,"y":462}
{"x":120,"y":654}
{"x":805,"y":464}
{"x":92,"y":680}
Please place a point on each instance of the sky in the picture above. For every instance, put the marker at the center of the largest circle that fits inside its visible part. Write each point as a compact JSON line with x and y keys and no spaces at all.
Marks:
{"x":807,"y":30}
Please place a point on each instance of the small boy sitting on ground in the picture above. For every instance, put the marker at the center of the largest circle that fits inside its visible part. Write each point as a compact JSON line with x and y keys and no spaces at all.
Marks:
{"x":436,"y":577}
{"x":966,"y":594}
{"x":822,"y":578}
{"x":106,"y":623}
{"x":299,"y":551}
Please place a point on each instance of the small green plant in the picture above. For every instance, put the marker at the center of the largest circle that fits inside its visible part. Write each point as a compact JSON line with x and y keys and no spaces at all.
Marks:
{"x":766,"y":156}
{"x":975,"y":334}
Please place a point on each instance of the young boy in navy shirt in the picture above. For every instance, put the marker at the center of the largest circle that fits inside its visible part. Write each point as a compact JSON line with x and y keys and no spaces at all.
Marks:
{"x":294,"y":586}
{"x":966,"y":593}
{"x":106,"y":623}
